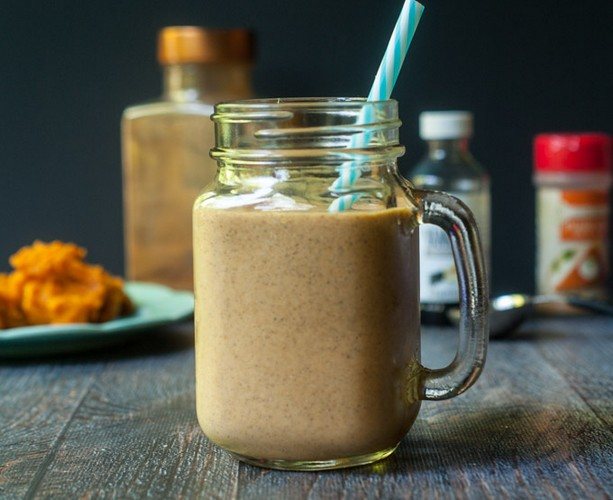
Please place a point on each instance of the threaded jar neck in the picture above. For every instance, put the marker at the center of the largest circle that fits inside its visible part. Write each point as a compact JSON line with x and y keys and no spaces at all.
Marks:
{"x":306,"y":131}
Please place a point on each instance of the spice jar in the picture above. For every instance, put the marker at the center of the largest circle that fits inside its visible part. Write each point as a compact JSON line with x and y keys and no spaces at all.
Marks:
{"x":166,"y":146}
{"x":572,"y":174}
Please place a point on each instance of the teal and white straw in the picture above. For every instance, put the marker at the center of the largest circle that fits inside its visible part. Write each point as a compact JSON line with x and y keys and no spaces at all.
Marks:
{"x":396,"y":51}
{"x":381,"y":90}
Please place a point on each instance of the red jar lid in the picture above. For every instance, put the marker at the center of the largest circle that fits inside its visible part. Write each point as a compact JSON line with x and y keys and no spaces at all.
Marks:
{"x":572,"y":153}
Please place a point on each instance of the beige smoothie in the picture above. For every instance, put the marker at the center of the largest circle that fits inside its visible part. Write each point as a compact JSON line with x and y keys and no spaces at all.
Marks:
{"x":307,"y":331}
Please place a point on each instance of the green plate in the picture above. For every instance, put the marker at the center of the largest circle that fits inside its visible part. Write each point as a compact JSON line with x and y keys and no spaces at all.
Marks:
{"x":156,"y":305}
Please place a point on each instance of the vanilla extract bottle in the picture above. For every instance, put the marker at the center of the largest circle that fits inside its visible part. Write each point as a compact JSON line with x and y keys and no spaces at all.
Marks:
{"x":448,"y":166}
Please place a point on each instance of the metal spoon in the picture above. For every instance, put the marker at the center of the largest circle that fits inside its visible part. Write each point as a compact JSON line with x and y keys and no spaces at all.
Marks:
{"x":507,"y":312}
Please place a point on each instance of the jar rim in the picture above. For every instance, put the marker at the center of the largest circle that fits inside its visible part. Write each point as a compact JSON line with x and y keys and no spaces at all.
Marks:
{"x":300,"y":102}
{"x":306,"y":129}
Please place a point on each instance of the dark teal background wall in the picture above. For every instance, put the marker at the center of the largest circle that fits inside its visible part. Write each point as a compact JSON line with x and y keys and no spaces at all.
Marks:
{"x":68,"y":68}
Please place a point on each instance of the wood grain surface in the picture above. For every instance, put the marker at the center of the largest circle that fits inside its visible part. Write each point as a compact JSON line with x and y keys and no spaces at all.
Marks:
{"x":122,"y":424}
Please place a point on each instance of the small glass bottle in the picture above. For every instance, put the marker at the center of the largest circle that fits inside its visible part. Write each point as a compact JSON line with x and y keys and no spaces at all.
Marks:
{"x":572,"y":174}
{"x":448,"y":166}
{"x":166,"y":143}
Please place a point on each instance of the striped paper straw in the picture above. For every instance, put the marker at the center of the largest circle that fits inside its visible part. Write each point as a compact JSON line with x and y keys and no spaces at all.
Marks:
{"x":381,"y":90}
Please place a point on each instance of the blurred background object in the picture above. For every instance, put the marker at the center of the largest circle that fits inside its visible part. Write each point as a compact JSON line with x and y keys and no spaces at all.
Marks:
{"x":166,"y":144}
{"x":70,"y":68}
{"x":572,"y":174}
{"x":448,"y":166}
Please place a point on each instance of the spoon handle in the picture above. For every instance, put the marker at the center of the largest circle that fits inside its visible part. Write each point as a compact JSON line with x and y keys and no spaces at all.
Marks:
{"x":596,"y":306}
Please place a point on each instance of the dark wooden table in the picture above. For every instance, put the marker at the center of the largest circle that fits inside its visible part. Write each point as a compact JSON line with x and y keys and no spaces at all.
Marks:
{"x":122,"y":424}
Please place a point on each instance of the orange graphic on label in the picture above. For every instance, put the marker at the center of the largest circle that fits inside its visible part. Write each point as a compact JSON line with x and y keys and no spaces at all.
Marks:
{"x":584,"y":228}
{"x":586,"y":198}
{"x":588,"y":270}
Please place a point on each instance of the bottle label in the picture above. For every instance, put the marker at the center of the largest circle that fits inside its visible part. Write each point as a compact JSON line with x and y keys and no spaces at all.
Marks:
{"x":572,"y":239}
{"x":437,"y":275}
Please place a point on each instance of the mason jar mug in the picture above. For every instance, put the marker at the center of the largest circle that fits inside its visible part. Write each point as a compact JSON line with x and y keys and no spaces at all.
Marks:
{"x":307,"y":286}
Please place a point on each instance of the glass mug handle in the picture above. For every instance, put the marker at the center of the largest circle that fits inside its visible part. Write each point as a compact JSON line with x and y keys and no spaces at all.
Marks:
{"x":451,"y":215}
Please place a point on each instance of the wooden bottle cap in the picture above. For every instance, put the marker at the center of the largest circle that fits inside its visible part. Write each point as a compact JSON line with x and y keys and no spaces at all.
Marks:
{"x":193,"y":44}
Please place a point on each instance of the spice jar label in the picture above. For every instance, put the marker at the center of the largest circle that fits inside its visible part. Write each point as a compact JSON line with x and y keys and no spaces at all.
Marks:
{"x":572,"y":236}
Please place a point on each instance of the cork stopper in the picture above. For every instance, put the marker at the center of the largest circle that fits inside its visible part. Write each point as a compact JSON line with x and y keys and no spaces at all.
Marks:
{"x":193,"y":44}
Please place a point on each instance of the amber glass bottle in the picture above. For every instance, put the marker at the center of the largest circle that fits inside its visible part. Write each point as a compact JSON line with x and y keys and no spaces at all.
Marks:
{"x":166,"y":143}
